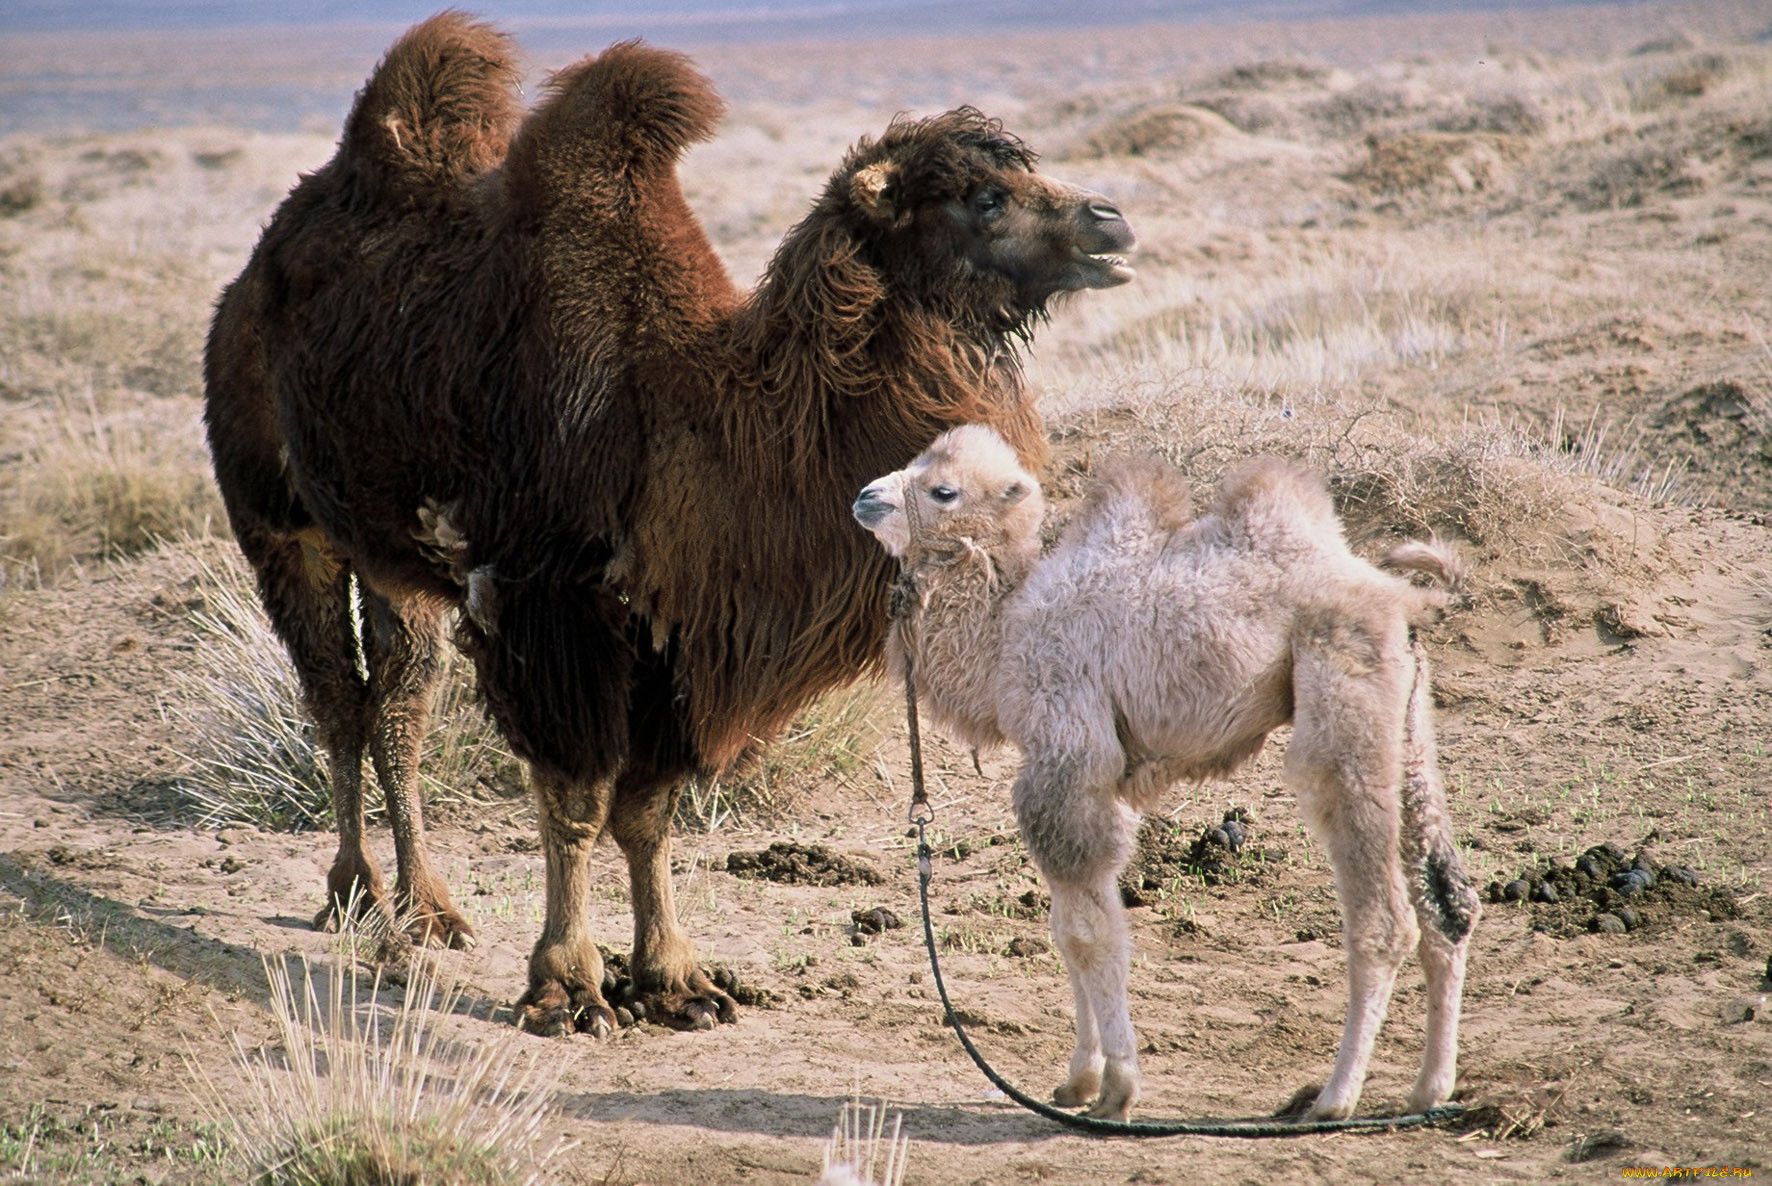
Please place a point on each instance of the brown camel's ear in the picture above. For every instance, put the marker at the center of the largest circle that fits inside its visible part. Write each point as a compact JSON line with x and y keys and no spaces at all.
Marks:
{"x":875,"y":190}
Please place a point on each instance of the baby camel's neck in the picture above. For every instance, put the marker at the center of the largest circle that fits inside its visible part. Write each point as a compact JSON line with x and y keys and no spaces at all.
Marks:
{"x":958,"y":635}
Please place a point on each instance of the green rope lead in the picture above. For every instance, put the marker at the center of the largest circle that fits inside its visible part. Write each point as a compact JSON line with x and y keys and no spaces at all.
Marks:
{"x":1155,"y":1128}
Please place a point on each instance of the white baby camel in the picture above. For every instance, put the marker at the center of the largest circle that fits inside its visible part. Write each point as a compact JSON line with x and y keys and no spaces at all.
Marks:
{"x":1151,"y":647}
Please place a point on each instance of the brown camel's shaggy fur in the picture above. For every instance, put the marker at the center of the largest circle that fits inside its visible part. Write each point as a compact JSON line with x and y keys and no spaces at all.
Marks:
{"x":1151,"y":647}
{"x":497,"y":366}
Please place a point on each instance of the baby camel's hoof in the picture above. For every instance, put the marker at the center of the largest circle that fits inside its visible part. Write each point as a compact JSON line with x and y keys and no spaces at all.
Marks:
{"x":1331,"y":1109}
{"x":1120,"y":1089}
{"x":550,"y":1010}
{"x":1074,"y":1093}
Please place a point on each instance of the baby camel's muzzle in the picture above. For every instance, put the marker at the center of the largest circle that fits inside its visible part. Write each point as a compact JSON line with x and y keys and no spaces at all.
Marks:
{"x":872,"y":507}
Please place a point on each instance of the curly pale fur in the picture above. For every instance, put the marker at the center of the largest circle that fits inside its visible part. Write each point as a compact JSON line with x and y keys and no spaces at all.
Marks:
{"x":1151,"y":647}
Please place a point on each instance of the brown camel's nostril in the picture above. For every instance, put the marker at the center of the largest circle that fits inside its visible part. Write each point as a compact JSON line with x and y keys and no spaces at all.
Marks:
{"x":1106,"y":211}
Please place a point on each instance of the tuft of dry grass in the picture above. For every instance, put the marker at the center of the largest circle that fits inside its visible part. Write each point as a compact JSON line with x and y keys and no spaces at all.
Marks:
{"x":1161,"y":130}
{"x":91,"y":486}
{"x":1500,"y":486}
{"x":250,"y":749}
{"x":833,"y":736}
{"x":862,"y":1151}
{"x":358,"y":1093}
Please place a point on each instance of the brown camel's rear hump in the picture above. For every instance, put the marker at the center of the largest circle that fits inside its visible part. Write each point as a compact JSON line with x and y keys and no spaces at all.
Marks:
{"x":629,"y":111}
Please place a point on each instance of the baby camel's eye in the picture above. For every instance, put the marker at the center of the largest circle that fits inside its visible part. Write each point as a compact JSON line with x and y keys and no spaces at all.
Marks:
{"x":943,"y":494}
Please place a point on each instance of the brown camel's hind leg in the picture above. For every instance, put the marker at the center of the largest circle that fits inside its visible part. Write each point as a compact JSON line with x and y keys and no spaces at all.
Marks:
{"x":306,"y":590}
{"x":566,"y":969}
{"x":404,"y":650}
{"x":668,"y":983}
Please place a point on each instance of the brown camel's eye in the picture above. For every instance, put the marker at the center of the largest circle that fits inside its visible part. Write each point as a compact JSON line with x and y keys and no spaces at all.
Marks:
{"x":989,"y":203}
{"x":944,"y":494}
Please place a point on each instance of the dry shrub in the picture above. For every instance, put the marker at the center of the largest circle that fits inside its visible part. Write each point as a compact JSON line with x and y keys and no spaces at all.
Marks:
{"x":363,"y":1094}
{"x":1506,"y":115}
{"x":19,"y":194}
{"x":248,"y":741}
{"x":1631,"y":178}
{"x":832,"y":737}
{"x":1352,"y":111}
{"x":94,"y":487}
{"x":1690,"y":79}
{"x":1251,"y":113}
{"x":1270,"y":74}
{"x":1409,"y":161}
{"x":1481,"y":486}
{"x":1521,"y":503}
{"x":1153,"y":131}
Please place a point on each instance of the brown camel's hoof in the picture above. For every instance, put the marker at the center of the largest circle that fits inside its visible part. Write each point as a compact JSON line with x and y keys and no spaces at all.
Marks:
{"x":360,"y":909}
{"x":551,"y":1010}
{"x":695,"y":1004}
{"x":441,"y":926}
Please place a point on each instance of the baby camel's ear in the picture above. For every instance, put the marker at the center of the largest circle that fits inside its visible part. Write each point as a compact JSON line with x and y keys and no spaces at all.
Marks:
{"x":875,"y":190}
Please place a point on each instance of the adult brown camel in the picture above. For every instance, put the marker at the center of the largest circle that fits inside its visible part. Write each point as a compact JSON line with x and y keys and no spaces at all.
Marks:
{"x":496,"y":367}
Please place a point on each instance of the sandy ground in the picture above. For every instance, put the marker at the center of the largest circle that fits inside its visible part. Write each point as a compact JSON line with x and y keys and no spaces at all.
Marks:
{"x":1602,"y":265}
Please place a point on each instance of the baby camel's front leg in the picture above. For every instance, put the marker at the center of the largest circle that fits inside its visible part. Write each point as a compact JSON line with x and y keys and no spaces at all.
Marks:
{"x":1089,"y":926}
{"x":1080,"y":836}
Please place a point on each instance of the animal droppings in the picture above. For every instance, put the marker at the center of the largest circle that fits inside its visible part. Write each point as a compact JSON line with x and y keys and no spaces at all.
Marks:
{"x":1592,"y":894}
{"x":802,"y":864}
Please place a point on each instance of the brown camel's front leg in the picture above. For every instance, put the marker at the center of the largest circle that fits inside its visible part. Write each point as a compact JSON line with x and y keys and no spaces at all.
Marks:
{"x":566,"y":969}
{"x":669,"y":986}
{"x":405,"y":663}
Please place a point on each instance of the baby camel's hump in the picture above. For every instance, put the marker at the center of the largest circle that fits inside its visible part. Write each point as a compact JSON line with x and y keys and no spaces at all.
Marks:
{"x":1181,"y":642}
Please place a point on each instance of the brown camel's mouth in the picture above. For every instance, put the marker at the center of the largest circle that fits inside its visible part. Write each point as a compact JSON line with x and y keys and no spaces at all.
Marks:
{"x":1105,"y":270}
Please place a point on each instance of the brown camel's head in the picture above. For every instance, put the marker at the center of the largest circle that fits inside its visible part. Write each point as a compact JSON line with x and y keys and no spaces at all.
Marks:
{"x":950,"y":210}
{"x":967,"y":492}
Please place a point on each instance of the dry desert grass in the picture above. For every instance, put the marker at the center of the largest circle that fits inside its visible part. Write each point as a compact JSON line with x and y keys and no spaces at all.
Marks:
{"x":1502,"y":279}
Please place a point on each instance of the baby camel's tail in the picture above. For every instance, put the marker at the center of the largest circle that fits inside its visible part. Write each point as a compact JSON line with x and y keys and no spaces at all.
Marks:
{"x":1438,"y":883}
{"x":1433,"y":558}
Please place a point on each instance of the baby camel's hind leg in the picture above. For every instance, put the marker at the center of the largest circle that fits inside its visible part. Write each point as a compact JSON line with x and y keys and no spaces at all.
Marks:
{"x":404,"y":650}
{"x":1344,"y":764}
{"x":1081,"y":836}
{"x":1446,"y":904}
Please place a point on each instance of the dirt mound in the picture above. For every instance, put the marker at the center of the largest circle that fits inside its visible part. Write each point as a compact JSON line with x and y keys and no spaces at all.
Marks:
{"x":1606,"y":892}
{"x":1723,"y":426}
{"x":793,"y":863}
{"x":1166,"y":130}
{"x":1215,"y":856}
{"x":1446,"y":161}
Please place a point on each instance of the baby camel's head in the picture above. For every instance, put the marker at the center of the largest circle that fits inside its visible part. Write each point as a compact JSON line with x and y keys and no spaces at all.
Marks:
{"x":966,"y":492}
